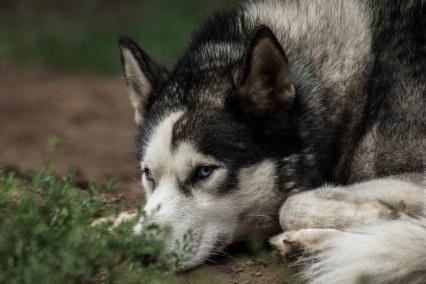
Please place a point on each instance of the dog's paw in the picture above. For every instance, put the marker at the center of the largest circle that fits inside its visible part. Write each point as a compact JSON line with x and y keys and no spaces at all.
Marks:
{"x":292,"y":245}
{"x":288,"y":247}
{"x":116,"y":221}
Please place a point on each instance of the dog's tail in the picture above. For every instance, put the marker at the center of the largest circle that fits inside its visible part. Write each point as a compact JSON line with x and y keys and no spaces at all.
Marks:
{"x":388,"y":252}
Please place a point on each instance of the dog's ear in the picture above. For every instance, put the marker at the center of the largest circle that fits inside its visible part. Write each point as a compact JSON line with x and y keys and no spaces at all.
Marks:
{"x":264,"y":83}
{"x":142,"y":75}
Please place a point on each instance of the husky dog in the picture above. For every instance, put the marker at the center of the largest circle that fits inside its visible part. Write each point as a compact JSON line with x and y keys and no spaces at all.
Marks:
{"x":306,"y":114}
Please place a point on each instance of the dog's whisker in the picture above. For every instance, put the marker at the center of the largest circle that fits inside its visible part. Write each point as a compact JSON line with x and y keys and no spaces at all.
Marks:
{"x":136,"y":180}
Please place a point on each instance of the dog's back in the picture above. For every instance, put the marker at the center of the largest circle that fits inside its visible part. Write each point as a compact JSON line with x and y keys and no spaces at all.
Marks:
{"x":371,"y":56}
{"x":393,"y":132}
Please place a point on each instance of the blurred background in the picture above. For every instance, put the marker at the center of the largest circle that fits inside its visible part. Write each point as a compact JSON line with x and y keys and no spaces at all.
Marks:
{"x":60,"y":76}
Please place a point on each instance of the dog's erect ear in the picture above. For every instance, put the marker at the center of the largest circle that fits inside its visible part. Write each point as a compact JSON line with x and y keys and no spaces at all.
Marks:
{"x":264,"y":83}
{"x":142,"y":75}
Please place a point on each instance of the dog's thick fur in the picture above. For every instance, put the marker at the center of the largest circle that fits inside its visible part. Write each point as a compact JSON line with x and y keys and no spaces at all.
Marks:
{"x":317,"y":107}
{"x":362,"y":232}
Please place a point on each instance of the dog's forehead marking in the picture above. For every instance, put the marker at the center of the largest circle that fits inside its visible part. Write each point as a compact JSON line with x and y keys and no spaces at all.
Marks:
{"x":159,"y":149}
{"x":167,"y":159}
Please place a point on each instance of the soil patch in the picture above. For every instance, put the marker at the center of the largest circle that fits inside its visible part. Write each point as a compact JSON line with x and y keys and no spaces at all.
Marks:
{"x":90,"y":114}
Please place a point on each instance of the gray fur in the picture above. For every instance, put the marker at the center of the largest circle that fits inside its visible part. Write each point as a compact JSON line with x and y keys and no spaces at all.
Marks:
{"x":303,"y":92}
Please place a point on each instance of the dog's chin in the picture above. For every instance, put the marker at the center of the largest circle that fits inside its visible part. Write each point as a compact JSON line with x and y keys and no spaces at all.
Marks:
{"x":186,"y":266}
{"x":206,"y":243}
{"x":196,"y":260}
{"x":203,"y":249}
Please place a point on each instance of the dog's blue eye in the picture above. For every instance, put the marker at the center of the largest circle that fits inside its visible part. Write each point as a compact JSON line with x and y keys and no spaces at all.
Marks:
{"x":205,"y":172}
{"x":148,"y":175}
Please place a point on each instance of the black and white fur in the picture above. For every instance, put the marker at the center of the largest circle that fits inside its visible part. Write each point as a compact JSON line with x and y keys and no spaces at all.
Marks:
{"x":317,"y":107}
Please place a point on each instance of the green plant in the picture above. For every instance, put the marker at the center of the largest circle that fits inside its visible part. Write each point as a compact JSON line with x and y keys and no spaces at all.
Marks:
{"x":47,"y":236}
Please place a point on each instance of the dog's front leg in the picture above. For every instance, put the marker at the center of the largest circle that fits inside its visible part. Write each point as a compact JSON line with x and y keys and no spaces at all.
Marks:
{"x":312,"y":217}
{"x":362,"y":203}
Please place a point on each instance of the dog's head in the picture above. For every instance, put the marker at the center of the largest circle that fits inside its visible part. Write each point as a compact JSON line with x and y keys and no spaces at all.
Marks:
{"x":212,"y":138}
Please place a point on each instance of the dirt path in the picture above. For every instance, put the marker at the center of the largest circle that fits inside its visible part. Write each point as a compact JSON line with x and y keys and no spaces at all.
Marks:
{"x":90,"y":114}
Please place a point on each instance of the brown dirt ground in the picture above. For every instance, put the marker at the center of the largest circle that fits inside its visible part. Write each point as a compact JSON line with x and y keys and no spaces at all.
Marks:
{"x":93,"y":118}
{"x":90,"y":114}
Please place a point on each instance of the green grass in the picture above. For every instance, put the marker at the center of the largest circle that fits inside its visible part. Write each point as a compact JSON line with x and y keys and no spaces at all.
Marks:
{"x":47,"y":236}
{"x":82,"y":36}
